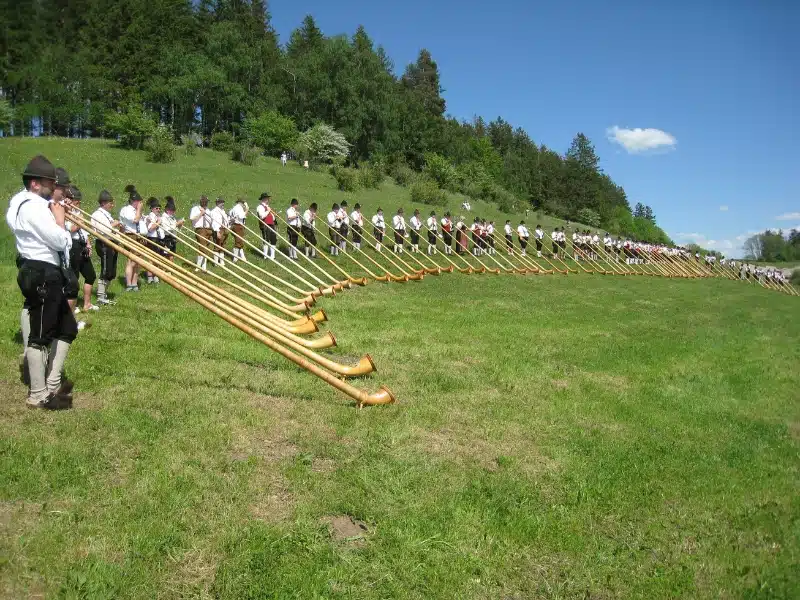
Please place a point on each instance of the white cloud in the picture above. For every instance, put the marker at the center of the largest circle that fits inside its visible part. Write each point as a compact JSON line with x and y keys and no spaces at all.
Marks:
{"x":640,"y":140}
{"x":788,"y":216}
{"x":704,"y":242}
{"x":723,"y":208}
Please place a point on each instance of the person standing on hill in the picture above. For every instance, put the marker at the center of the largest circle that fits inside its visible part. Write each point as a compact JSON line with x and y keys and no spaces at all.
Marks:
{"x":447,"y":233}
{"x":37,"y":217}
{"x":415,"y":224}
{"x":509,"y":233}
{"x":80,"y":260}
{"x":308,"y":229}
{"x":490,"y":237}
{"x":378,"y":228}
{"x":293,"y":227}
{"x":475,"y":228}
{"x":154,"y":233}
{"x":399,"y":227}
{"x":220,"y":225}
{"x":334,"y":229}
{"x":357,"y":221}
{"x":432,"y":225}
{"x":169,"y":225}
{"x":238,"y":216}
{"x":538,"y":235}
{"x":462,"y":241}
{"x":200,"y":216}
{"x":344,"y":227}
{"x":283,"y":159}
{"x":103,"y":222}
{"x":523,"y":234}
{"x":266,"y":223}
{"x":130,"y":216}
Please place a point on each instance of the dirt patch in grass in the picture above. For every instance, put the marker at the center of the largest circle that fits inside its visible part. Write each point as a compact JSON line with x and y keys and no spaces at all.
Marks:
{"x":346,"y":529}
{"x":192,"y":574}
{"x":560,"y":384}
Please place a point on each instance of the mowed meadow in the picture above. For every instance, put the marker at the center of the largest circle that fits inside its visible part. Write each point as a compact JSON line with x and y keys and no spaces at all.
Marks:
{"x":575,"y":436}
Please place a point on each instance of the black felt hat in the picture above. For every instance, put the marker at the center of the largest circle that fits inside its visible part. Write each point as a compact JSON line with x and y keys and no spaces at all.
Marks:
{"x":40,"y":168}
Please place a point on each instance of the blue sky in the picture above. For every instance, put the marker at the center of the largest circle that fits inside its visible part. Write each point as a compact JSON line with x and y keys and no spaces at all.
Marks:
{"x":705,"y":97}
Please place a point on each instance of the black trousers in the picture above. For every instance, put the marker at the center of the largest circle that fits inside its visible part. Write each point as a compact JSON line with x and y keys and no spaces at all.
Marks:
{"x":356,"y":234}
{"x":538,"y":245}
{"x":378,"y":234}
{"x":431,"y":238}
{"x":414,"y":237}
{"x":108,"y":261}
{"x":81,"y":266}
{"x":509,"y":241}
{"x":42,"y":286}
{"x":294,"y":234}
{"x":447,"y":238}
{"x":309,"y":236}
{"x":268,"y":234}
{"x":170,"y":243}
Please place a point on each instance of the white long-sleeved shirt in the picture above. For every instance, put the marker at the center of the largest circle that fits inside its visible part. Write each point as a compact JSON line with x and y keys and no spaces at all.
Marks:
{"x":103,"y":221}
{"x":200,"y":221}
{"x":522,"y":231}
{"x":262,"y":210}
{"x":447,"y":224}
{"x":155,"y":233}
{"x":38,"y":235}
{"x":398,"y":222}
{"x":343,"y":216}
{"x":293,"y":216}
{"x":432,"y":224}
{"x":238,"y":214}
{"x":539,"y":233}
{"x":333,"y":219}
{"x":508,"y":230}
{"x":489,"y":229}
{"x":415,"y":222}
{"x":127,"y":216}
{"x":80,"y":237}
{"x":309,"y":218}
{"x":378,"y":222}
{"x":357,"y":218}
{"x":219,"y":219}
{"x":168,"y":224}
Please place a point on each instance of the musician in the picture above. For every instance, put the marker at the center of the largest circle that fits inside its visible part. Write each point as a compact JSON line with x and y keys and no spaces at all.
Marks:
{"x":169,"y":225}
{"x":475,"y":231}
{"x":576,"y":242}
{"x":151,"y":228}
{"x":523,"y":234}
{"x":509,"y":233}
{"x":220,"y":225}
{"x":130,"y":216}
{"x":538,"y":235}
{"x":344,"y":228}
{"x":334,"y":229}
{"x":461,"y":236}
{"x":266,"y":223}
{"x":200,"y":216}
{"x":293,"y":227}
{"x":483,"y":238}
{"x":308,"y":229}
{"x":595,"y":244}
{"x":37,"y":217}
{"x":357,"y":222}
{"x":378,"y":228}
{"x":399,"y":226}
{"x":432,"y":225}
{"x":489,"y":229}
{"x":447,"y":233}
{"x":608,"y":245}
{"x":103,"y":222}
{"x":554,"y":239}
{"x":238,"y":215}
{"x":80,"y":258}
{"x":562,"y":242}
{"x":415,"y":224}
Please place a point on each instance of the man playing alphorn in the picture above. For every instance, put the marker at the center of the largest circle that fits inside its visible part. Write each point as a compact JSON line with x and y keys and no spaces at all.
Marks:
{"x":266,"y":224}
{"x":200,"y":216}
{"x":220,"y":224}
{"x":238,"y":215}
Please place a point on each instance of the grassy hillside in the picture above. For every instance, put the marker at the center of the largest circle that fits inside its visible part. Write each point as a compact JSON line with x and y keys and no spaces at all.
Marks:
{"x":555,"y":437}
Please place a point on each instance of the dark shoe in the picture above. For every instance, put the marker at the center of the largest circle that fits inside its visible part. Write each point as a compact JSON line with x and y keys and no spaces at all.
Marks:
{"x":66,"y":387}
{"x":57,"y":402}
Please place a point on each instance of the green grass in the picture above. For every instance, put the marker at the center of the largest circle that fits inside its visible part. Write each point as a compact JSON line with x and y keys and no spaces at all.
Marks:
{"x":555,"y":437}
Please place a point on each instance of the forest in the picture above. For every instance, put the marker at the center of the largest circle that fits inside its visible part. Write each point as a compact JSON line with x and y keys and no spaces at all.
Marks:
{"x":196,"y":71}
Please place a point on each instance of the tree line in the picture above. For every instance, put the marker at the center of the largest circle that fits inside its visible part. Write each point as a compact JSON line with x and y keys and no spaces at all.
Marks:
{"x":773,"y":246}
{"x":92,"y":68}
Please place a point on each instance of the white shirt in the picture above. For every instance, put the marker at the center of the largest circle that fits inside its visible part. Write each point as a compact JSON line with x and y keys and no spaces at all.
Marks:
{"x":415,"y":223}
{"x":168,"y":224}
{"x":156,"y":233}
{"x":200,"y":221}
{"x":238,"y":213}
{"x":262,"y":210}
{"x":508,"y":229}
{"x":219,"y":219}
{"x":378,"y":222}
{"x":523,"y":231}
{"x":607,"y":241}
{"x":38,"y":235}
{"x":539,"y":233}
{"x":293,"y":216}
{"x":398,"y":222}
{"x":79,"y":236}
{"x":309,"y":218}
{"x":357,"y":218}
{"x":343,"y":216}
{"x":432,"y":224}
{"x":102,"y":221}
{"x":333,"y":219}
{"x":127,"y":216}
{"x":490,"y":229}
{"x":447,"y":223}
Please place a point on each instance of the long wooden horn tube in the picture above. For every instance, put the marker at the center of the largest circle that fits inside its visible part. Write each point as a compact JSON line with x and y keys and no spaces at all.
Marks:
{"x":413,"y":275}
{"x":603,"y":253}
{"x":186,"y":239}
{"x":365,"y":364}
{"x":555,"y":256}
